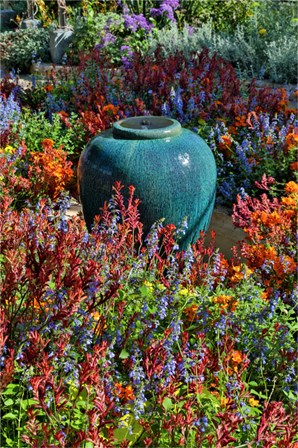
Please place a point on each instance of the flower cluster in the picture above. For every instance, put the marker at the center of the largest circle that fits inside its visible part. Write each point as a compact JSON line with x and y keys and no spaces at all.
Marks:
{"x":271,"y":228}
{"x":166,"y":8}
{"x":29,"y":176}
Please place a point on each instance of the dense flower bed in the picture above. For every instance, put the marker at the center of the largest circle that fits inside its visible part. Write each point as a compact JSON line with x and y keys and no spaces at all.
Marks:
{"x":109,"y":340}
{"x":116,"y":338}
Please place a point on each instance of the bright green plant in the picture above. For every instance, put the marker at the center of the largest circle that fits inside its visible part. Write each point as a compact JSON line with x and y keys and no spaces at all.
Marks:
{"x":224,"y":15}
{"x":33,"y":128}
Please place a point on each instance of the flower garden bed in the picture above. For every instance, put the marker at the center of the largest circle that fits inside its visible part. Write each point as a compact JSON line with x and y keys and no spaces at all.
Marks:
{"x":114,"y":338}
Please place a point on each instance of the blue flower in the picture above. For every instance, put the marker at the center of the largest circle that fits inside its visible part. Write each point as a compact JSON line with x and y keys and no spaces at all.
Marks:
{"x":10,"y":112}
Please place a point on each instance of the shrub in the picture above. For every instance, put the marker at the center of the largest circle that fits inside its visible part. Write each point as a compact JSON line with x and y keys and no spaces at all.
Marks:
{"x":88,"y":30}
{"x":224,"y":16}
{"x":20,"y":47}
{"x":256,"y":49}
{"x":31,"y":176}
{"x":282,"y":57}
{"x":271,"y":249}
{"x":65,"y":130}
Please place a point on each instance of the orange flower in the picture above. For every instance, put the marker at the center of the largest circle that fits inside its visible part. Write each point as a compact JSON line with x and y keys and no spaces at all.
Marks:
{"x":237,"y":357}
{"x":100,"y":323}
{"x":226,"y":140}
{"x":124,"y":392}
{"x":232,"y":130}
{"x":238,"y":273}
{"x":291,"y":141}
{"x":283,"y":98}
{"x":289,"y":202}
{"x":226,"y":402}
{"x":40,"y":305}
{"x":291,"y":187}
{"x":47,"y":142}
{"x":191,"y":312}
{"x":110,"y":109}
{"x":271,"y":219}
{"x":62,"y":113}
{"x":225,"y":146}
{"x":269,"y":140}
{"x":240,"y":121}
{"x":48,"y":88}
{"x":294,"y":166}
{"x":226,"y":302}
{"x":50,"y":170}
{"x":205,"y":81}
{"x":234,"y":360}
{"x":264,"y":295}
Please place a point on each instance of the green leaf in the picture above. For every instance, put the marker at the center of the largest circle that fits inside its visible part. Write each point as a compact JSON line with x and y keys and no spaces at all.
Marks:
{"x":10,"y":415}
{"x":253,"y":383}
{"x":124,"y":354}
{"x":25,"y":404}
{"x":258,"y":394}
{"x":145,"y":291}
{"x":10,"y":390}
{"x":167,"y":403}
{"x":8,"y":441}
{"x":8,"y":402}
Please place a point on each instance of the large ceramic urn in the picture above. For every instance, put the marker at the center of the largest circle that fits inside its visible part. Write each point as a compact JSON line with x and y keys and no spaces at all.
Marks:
{"x":172,"y":169}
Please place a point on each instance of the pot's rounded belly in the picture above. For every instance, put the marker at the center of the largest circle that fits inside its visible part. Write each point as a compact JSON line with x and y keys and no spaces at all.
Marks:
{"x":174,"y":178}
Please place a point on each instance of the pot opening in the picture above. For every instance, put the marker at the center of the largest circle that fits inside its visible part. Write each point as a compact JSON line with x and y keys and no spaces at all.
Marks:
{"x":146,"y":123}
{"x":146,"y":127}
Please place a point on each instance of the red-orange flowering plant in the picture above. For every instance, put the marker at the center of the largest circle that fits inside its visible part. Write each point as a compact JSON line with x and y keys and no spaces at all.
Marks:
{"x":270,"y":224}
{"x":49,"y":170}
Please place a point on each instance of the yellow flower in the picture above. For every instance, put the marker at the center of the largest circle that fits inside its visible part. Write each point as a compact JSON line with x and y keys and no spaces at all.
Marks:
{"x":184,"y":292}
{"x":149,"y":285}
{"x":96,"y":315}
{"x":8,"y":150}
{"x":262,"y":31}
{"x":253,"y":402}
{"x":161,"y":287}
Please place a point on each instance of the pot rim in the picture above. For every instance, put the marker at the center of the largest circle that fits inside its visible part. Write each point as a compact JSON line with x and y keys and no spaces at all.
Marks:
{"x":146,"y":127}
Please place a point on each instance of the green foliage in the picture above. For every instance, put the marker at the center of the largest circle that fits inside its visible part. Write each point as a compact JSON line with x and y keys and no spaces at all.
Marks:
{"x":89,"y":28}
{"x":282,"y":59}
{"x":34,"y":127}
{"x":265,"y":46}
{"x":224,"y":15}
{"x":18,"y":48}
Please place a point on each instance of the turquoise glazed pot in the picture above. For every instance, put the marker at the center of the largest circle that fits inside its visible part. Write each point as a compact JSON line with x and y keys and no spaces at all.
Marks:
{"x":172,"y":169}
